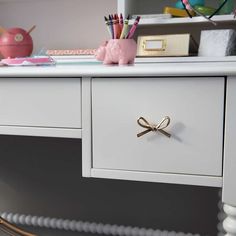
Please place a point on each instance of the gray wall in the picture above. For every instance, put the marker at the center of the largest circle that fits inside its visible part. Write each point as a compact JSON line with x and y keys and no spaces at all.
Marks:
{"x":61,"y":24}
{"x":42,"y":176}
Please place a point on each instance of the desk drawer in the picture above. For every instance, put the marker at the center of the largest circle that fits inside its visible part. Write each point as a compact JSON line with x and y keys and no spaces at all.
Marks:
{"x":41,"y":102}
{"x":195,"y":107}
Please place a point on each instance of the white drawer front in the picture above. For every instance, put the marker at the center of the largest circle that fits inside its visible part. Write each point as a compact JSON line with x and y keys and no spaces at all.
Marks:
{"x":195,"y":107}
{"x":42,"y":102}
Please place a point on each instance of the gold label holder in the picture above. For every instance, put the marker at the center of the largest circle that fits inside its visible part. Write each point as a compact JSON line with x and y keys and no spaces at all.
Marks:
{"x":164,"y":45}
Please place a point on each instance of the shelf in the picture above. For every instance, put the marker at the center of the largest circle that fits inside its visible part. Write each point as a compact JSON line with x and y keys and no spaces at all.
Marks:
{"x":184,"y":20}
{"x":189,"y":59}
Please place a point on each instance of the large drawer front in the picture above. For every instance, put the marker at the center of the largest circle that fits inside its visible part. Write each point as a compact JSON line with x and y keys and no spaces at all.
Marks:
{"x":195,"y":107}
{"x":41,"y":102}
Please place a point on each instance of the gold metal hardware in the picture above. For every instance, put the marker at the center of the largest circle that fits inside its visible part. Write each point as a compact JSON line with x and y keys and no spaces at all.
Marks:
{"x":165,"y":45}
{"x":154,"y":45}
{"x":11,"y":229}
{"x":153,"y":127}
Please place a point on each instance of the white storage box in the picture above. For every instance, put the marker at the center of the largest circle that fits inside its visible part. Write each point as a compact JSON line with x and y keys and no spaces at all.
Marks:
{"x":217,"y":43}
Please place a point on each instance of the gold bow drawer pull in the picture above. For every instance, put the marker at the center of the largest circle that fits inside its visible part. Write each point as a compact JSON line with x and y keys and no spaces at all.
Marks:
{"x":154,"y":127}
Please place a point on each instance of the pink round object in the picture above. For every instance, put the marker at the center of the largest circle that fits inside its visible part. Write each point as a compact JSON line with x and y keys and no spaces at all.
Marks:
{"x":16,"y":42}
{"x":117,"y":51}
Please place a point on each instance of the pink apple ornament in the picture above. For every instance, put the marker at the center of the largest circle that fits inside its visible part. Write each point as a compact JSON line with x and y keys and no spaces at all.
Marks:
{"x":16,"y":42}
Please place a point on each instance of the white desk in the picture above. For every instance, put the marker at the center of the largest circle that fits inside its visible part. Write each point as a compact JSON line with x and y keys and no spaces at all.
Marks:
{"x":101,"y":105}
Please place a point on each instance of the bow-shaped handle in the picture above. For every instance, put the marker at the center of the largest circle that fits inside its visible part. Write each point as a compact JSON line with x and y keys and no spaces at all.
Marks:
{"x":153,"y":127}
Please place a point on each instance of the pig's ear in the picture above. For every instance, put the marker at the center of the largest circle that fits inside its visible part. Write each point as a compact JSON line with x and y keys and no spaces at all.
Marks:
{"x":31,"y":29}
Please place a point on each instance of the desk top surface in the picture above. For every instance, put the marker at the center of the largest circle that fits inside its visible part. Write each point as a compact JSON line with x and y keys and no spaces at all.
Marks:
{"x":139,"y":69}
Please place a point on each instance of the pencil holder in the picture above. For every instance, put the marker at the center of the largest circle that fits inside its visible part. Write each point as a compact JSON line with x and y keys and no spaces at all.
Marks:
{"x":117,"y":51}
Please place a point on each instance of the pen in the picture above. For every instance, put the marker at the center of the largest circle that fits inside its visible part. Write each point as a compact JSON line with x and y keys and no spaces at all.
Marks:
{"x":133,"y":28}
{"x":108,"y":24}
{"x":125,"y":29}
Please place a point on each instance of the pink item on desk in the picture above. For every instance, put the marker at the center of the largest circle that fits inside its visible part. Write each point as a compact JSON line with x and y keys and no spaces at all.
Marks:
{"x":16,"y":42}
{"x":117,"y":51}
{"x":28,"y":61}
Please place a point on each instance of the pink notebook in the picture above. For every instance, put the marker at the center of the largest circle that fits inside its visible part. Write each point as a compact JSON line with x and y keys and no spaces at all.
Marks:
{"x":28,"y":61}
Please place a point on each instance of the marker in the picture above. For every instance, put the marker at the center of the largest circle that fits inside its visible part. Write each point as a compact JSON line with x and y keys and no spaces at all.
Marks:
{"x":133,"y":28}
{"x":125,"y":28}
{"x":108,"y":24}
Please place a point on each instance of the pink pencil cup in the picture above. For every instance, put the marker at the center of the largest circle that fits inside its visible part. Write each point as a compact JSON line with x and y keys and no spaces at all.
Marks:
{"x":117,"y":51}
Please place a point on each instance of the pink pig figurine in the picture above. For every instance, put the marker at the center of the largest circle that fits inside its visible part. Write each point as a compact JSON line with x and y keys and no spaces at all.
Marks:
{"x":117,"y":51}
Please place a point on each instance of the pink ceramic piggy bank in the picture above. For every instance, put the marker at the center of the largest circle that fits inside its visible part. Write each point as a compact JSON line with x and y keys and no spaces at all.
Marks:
{"x":118,"y":51}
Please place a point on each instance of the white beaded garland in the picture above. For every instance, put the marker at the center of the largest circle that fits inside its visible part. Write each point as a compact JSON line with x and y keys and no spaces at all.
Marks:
{"x":230,"y":221}
{"x":88,"y":227}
